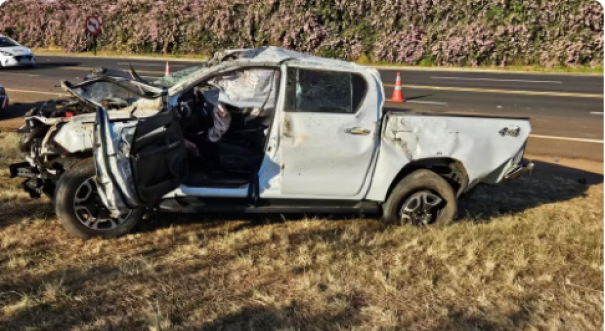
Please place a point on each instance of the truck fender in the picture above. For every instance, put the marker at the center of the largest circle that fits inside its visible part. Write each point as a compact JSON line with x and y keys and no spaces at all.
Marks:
{"x":452,"y":170}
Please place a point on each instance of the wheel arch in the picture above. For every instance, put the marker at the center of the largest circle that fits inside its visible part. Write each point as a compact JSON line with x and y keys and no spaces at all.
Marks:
{"x":64,"y":202}
{"x":452,"y":170}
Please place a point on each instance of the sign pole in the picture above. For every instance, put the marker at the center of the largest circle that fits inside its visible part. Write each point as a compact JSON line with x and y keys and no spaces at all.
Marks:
{"x":93,"y":26}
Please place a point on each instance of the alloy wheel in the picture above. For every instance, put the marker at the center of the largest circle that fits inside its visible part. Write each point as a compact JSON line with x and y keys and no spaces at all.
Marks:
{"x":90,"y":210}
{"x":421,"y":208}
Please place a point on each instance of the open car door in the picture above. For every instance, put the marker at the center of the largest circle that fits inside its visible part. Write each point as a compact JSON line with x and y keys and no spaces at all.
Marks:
{"x":138,"y":160}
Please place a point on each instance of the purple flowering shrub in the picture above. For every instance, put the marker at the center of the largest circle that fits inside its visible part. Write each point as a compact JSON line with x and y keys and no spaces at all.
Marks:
{"x":444,"y":32}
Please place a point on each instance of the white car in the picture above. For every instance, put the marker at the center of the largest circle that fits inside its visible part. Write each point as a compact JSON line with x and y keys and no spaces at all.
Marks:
{"x":266,"y":130}
{"x":12,"y":54}
{"x":3,"y":98}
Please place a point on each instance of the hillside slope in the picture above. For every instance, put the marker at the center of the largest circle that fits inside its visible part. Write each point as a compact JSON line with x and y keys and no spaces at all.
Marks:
{"x":453,"y":32}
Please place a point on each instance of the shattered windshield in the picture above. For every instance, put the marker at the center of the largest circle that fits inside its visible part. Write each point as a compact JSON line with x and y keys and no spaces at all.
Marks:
{"x":178,"y":76}
{"x":114,"y":96}
{"x":108,"y":94}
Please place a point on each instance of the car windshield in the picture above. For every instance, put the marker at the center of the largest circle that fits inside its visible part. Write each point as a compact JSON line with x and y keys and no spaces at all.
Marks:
{"x":103,"y":92}
{"x":178,"y":76}
{"x":6,"y":42}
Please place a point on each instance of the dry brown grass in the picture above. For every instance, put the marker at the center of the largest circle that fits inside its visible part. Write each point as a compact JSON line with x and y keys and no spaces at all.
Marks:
{"x":525,"y":256}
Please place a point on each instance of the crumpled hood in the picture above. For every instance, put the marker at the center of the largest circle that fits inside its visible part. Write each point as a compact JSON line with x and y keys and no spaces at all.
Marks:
{"x":16,"y":50}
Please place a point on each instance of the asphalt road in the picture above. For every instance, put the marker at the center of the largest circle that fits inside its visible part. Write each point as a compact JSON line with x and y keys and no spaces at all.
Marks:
{"x":566,"y":111}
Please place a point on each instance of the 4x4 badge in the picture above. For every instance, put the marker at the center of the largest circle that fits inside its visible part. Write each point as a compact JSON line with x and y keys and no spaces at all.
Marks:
{"x":513,"y":132}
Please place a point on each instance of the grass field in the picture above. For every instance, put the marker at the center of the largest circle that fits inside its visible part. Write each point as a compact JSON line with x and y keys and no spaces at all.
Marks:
{"x":523,"y":256}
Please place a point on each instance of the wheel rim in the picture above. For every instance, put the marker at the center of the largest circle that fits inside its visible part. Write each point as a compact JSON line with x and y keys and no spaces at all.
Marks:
{"x":90,"y":210}
{"x":421,"y":208}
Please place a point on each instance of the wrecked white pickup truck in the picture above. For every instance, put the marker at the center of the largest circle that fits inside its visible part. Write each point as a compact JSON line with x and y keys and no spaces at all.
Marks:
{"x":258,"y":130}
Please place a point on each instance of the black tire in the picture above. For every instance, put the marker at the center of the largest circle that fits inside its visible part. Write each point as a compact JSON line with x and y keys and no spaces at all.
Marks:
{"x":419,"y":182}
{"x":65,"y":196}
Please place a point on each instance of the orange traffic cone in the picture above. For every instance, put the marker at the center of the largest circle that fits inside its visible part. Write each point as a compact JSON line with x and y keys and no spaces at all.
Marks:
{"x":167,"y":70}
{"x":397,"y":93}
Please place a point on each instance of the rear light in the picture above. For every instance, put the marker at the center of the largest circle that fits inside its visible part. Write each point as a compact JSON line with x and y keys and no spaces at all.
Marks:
{"x":68,"y":114}
{"x":518,"y":158}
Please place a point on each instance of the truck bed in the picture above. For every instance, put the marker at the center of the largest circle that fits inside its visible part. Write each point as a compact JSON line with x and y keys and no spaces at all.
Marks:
{"x":488,"y":146}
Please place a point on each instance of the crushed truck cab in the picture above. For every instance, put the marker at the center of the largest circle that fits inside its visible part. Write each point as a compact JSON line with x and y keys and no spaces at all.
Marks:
{"x":259,"y":130}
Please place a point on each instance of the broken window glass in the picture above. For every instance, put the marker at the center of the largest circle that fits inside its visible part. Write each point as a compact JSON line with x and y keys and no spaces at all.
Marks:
{"x":178,"y":76}
{"x":110,"y":95}
{"x":324,"y":91}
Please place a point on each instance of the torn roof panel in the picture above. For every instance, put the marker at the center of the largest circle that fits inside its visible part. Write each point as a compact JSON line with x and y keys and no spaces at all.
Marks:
{"x":266,"y":56}
{"x":276,"y":55}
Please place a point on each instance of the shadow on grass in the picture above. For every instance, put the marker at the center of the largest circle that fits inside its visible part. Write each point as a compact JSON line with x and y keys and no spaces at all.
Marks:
{"x":290,"y":317}
{"x":22,"y":211}
{"x":458,"y":319}
{"x":69,"y":311}
{"x":164,"y":220}
{"x":550,"y":183}
{"x":56,"y":314}
{"x":149,"y":286}
{"x":110,"y":298}
{"x":103,"y":290}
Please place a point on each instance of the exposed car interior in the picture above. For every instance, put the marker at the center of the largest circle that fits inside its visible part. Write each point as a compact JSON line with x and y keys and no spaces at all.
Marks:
{"x":224,"y":122}
{"x":231,"y":158}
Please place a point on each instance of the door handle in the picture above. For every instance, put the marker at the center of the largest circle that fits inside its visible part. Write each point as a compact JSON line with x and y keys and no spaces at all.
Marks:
{"x":358,"y":131}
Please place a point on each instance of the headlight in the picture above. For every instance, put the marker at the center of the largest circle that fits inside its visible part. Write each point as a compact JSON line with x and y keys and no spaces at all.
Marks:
{"x":6,"y":53}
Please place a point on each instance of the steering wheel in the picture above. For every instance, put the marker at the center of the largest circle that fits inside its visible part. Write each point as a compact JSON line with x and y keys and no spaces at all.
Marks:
{"x":196,"y":114}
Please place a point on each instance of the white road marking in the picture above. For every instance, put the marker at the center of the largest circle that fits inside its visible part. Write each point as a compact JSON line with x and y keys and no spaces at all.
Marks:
{"x":429,"y":102}
{"x":37,"y":92}
{"x":596,"y":113}
{"x":150,"y":65}
{"x":581,"y":140}
{"x":501,"y":80}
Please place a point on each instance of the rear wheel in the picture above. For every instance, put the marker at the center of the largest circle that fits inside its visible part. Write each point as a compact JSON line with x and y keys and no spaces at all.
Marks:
{"x":80,"y":209}
{"x":421,"y":198}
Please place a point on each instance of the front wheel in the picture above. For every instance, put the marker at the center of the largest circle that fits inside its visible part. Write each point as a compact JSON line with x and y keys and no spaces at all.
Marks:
{"x":80,"y":209}
{"x":421,"y":198}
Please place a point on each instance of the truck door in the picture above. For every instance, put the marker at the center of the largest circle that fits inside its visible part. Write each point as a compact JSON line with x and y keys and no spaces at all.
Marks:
{"x":328,"y":134}
{"x":138,"y":160}
{"x":138,"y":164}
